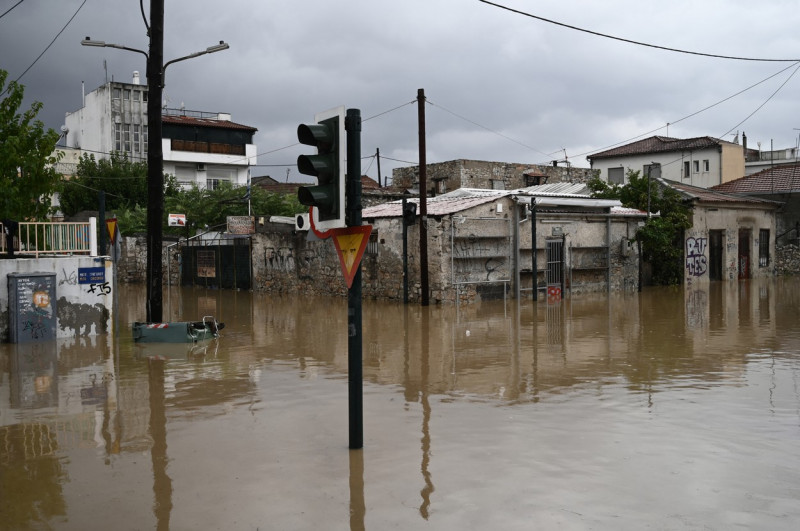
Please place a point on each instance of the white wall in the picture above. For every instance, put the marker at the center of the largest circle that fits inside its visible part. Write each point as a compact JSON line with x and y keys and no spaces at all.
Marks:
{"x":672,"y":166}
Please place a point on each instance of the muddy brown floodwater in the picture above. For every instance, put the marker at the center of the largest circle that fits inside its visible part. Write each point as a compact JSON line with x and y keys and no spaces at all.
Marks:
{"x":669,"y":409}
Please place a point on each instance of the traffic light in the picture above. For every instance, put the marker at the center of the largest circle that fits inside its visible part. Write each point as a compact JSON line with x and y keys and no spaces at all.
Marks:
{"x":328,"y":166}
{"x":409,"y":213}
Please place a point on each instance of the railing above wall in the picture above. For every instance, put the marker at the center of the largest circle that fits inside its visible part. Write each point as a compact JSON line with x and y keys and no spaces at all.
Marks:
{"x":36,"y":239}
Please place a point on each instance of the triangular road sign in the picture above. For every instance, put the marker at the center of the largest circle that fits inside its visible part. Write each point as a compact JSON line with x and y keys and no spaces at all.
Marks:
{"x":111,"y":225}
{"x":350,"y":244}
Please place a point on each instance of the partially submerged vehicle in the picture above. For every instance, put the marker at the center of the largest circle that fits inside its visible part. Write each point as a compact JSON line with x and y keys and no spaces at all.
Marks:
{"x":177,"y":331}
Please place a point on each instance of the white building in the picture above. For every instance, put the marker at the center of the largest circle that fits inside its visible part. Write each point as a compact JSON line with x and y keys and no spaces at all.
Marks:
{"x":702,"y":161}
{"x":199,"y":147}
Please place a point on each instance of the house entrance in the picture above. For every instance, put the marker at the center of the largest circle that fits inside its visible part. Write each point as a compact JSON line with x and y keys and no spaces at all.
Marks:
{"x":554,"y":274}
{"x":715,"y":255}
{"x":744,"y":253}
{"x":221,"y":264}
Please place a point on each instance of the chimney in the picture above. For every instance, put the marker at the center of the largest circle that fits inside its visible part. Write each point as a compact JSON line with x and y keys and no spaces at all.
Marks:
{"x":135,"y":77}
{"x":744,"y":143}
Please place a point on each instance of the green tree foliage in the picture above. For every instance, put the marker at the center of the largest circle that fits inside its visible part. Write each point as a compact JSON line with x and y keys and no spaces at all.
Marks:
{"x":123,"y":181}
{"x":661,"y":237}
{"x":209,"y":209}
{"x":27,"y":176}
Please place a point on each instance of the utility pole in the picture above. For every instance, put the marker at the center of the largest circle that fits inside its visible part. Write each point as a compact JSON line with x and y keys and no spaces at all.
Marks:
{"x":378,"y":156}
{"x":155,"y":163}
{"x":423,"y":201}
{"x":354,"y":320}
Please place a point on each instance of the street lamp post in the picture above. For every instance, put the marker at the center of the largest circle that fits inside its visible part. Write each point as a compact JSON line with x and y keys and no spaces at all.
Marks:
{"x":155,"y":154}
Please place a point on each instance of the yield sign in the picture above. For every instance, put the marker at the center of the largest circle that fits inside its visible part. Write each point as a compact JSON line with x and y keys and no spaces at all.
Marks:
{"x":111,"y":225}
{"x":350,"y":244}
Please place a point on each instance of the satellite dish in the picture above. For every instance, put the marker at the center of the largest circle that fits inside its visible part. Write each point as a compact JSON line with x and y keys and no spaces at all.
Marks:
{"x":64,"y":129}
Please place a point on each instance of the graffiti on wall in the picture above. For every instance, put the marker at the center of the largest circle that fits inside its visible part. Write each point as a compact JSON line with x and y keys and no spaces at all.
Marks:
{"x":696,"y":260}
{"x":281,"y":259}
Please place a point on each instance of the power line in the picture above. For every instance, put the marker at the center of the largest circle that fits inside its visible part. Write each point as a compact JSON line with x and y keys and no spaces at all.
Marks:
{"x":10,"y":8}
{"x":765,"y":102}
{"x":629,"y":41}
{"x":488,"y":129}
{"x":51,"y":42}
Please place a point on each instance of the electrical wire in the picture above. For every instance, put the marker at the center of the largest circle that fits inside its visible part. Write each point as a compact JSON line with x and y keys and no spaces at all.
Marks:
{"x":49,"y":45}
{"x":629,"y":41}
{"x":488,"y":129}
{"x":762,"y":105}
{"x":10,"y":8}
{"x":390,"y":110}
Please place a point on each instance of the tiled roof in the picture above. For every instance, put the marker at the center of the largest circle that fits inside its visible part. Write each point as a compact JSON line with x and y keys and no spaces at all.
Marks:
{"x":706,"y":195}
{"x":659,"y":144}
{"x":781,"y":179}
{"x":204,"y":122}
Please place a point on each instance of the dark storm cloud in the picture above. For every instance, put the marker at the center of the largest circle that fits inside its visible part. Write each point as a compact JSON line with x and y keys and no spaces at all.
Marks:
{"x":502,"y":86}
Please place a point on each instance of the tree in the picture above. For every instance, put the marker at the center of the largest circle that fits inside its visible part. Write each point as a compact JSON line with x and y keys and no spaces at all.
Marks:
{"x":123,"y":181}
{"x":27,"y":176}
{"x":206,"y":208}
{"x":661,"y":237}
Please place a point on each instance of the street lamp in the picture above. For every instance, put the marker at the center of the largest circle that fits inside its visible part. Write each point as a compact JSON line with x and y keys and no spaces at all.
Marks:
{"x":155,"y":155}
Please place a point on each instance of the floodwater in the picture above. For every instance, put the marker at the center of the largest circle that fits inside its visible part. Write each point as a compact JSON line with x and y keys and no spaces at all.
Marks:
{"x":667,"y":409}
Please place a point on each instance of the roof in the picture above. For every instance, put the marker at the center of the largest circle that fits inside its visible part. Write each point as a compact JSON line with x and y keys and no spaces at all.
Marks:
{"x":705,"y":195}
{"x":781,"y":179}
{"x":660,"y":144}
{"x":566,"y":194}
{"x":205,"y":122}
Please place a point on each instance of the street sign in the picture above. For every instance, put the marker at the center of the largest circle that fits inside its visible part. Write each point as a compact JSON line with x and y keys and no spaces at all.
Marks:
{"x":111,"y":225}
{"x":176,"y":220}
{"x":350,"y":244}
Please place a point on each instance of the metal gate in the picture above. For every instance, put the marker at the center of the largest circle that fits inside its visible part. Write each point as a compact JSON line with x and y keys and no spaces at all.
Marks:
{"x":554,"y":273}
{"x":221,"y":264}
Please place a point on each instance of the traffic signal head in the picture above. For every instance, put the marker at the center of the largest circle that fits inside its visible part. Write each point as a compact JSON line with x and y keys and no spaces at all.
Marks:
{"x":327,"y":165}
{"x":409,"y":213}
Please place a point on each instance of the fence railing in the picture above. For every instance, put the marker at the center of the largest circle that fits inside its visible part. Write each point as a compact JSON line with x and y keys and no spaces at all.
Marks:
{"x":34,"y":238}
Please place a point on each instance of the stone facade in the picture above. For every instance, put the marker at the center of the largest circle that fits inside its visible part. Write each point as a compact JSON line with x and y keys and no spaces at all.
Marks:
{"x":448,"y":176}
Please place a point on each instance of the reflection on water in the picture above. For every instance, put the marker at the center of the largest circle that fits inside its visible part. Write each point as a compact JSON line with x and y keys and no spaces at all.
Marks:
{"x":497,"y":414}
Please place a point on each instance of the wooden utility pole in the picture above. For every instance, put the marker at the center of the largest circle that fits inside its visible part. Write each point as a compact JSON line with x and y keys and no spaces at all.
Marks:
{"x":423,"y":202}
{"x":155,"y":161}
{"x":378,"y":156}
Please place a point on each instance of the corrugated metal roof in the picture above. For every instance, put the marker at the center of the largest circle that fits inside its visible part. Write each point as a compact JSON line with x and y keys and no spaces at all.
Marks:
{"x":436,"y":206}
{"x":781,"y":179}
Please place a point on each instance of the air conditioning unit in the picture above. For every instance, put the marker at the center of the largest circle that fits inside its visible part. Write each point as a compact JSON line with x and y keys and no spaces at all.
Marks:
{"x":201,"y":166}
{"x":301,"y":222}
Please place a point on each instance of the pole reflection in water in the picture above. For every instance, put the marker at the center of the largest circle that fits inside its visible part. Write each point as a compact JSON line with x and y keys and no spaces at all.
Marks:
{"x":428,"y":488}
{"x":358,"y":507}
{"x":162,"y":483}
{"x":560,"y":416}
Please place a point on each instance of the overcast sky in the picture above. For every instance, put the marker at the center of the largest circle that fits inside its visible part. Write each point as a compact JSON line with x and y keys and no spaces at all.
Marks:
{"x":500,"y":86}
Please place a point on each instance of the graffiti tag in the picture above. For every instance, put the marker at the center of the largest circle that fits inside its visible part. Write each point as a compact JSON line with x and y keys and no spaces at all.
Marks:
{"x":696,"y":261}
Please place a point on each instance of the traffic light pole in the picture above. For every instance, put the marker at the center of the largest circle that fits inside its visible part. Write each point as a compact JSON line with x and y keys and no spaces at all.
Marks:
{"x":352,"y":125}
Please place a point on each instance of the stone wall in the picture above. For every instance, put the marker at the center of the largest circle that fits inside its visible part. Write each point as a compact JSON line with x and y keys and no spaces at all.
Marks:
{"x":787,"y":260}
{"x":448,"y":176}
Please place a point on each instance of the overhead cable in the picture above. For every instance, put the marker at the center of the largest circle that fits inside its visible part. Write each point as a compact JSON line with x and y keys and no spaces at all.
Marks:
{"x":629,"y":41}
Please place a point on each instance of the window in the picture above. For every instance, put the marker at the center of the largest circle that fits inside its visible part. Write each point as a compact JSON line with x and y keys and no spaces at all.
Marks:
{"x":136,"y":139}
{"x":652,"y":170}
{"x":213,"y":184}
{"x":616,"y":175}
{"x":118,"y":137}
{"x":763,"y":247}
{"x":126,"y":94}
{"x":126,"y":131}
{"x":705,"y":165}
{"x":144,"y":138}
{"x":136,"y":94}
{"x":696,"y":166}
{"x":115,"y":93}
{"x":686,"y":167}
{"x":498,"y":184}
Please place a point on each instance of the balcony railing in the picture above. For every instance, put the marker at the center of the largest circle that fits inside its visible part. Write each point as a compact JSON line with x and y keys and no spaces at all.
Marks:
{"x":207,"y":147}
{"x":46,"y":238}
